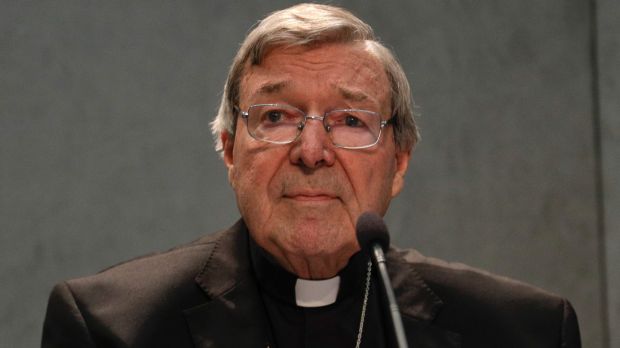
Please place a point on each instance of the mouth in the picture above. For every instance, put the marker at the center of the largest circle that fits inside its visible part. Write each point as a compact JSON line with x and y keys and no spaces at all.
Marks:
{"x":310,"y":196}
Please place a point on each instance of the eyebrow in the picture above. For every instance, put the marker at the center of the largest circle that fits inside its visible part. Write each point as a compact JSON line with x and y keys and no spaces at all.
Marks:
{"x":352,"y":95}
{"x":272,"y":87}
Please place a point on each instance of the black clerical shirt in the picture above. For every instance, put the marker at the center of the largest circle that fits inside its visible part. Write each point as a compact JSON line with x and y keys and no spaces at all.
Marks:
{"x":334,"y":325}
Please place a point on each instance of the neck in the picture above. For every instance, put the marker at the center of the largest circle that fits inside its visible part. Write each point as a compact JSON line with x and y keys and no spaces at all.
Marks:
{"x":310,"y":268}
{"x":313,"y":267}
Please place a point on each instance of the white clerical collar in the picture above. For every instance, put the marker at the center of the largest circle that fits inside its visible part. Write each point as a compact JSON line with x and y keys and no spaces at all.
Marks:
{"x":316,"y":293}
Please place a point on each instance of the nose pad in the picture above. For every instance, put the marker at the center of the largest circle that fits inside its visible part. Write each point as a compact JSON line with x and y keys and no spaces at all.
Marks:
{"x":313,"y":147}
{"x":316,"y":132}
{"x":321,"y":119}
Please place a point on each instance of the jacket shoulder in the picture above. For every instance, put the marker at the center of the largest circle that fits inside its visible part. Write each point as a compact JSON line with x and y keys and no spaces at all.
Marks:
{"x":488,"y":307}
{"x":133,"y":303}
{"x":153,"y":270}
{"x":453,"y":278}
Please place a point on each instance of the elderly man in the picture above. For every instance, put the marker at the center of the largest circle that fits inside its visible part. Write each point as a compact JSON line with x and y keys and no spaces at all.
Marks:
{"x":315,"y":127}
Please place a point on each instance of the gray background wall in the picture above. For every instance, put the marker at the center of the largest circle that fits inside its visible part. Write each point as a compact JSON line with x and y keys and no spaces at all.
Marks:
{"x":105,"y":150}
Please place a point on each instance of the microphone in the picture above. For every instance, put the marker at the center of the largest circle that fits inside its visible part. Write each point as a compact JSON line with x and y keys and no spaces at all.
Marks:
{"x":372,"y":234}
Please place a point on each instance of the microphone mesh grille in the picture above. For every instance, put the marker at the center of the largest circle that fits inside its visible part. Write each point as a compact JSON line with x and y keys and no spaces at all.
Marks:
{"x":370,"y":229}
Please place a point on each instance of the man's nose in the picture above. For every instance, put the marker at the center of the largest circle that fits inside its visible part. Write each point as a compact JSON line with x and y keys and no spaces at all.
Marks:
{"x":314,"y":147}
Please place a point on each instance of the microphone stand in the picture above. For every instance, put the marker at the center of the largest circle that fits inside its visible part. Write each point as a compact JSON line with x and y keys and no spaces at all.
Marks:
{"x":397,"y":321}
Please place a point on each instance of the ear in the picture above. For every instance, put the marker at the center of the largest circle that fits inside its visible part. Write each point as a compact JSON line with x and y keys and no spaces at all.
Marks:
{"x":402,"y":162}
{"x":228,"y":143}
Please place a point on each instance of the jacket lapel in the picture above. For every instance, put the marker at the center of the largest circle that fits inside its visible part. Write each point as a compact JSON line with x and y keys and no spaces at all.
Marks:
{"x":234,"y":316}
{"x":418,"y":304}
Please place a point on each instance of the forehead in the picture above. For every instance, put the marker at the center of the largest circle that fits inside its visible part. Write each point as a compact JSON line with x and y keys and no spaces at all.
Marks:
{"x":326,"y":72}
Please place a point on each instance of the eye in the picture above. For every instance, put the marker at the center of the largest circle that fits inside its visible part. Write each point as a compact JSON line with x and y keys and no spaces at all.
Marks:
{"x":274,"y":116}
{"x":352,"y":121}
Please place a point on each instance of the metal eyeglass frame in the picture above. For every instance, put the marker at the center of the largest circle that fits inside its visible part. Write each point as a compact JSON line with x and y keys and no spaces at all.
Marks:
{"x":382,"y":124}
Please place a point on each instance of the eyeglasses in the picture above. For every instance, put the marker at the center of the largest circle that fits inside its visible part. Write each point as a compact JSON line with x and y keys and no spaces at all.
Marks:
{"x":283,"y":124}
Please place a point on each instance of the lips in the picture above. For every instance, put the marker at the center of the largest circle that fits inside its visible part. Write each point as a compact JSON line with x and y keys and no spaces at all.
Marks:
{"x":310,"y":196}
{"x":321,"y":186}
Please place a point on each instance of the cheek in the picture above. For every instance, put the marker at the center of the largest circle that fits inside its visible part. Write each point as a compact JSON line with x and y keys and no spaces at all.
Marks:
{"x":373,"y":185}
{"x":249,"y":180}
{"x":250,"y":192}
{"x":252,"y":180}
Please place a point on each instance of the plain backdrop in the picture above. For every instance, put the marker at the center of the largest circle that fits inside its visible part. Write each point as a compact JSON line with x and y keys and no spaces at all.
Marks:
{"x":106,"y":153}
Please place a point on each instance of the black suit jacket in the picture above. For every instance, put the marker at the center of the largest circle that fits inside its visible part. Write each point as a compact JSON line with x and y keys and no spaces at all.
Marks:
{"x":205,"y":295}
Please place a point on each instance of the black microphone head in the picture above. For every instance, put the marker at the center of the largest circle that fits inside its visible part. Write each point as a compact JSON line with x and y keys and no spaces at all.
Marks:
{"x":371,"y":229}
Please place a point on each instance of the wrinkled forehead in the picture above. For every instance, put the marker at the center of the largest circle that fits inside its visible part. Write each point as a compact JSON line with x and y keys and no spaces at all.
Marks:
{"x":350,"y":69}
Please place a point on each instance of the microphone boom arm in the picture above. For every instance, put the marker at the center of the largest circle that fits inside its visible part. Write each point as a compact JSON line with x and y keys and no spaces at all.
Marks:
{"x":397,"y":321}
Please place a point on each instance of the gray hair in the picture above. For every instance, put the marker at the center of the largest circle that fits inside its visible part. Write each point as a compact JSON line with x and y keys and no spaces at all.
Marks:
{"x":311,"y":25}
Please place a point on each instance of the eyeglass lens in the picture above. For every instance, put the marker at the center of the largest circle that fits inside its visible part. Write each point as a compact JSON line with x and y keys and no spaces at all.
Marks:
{"x":283,"y":124}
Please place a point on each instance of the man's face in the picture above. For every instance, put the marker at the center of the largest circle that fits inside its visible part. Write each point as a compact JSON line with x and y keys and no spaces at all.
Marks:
{"x":301,"y":200}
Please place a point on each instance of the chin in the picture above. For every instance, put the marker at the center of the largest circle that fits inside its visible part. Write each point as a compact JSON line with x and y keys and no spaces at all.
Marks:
{"x":317,"y":243}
